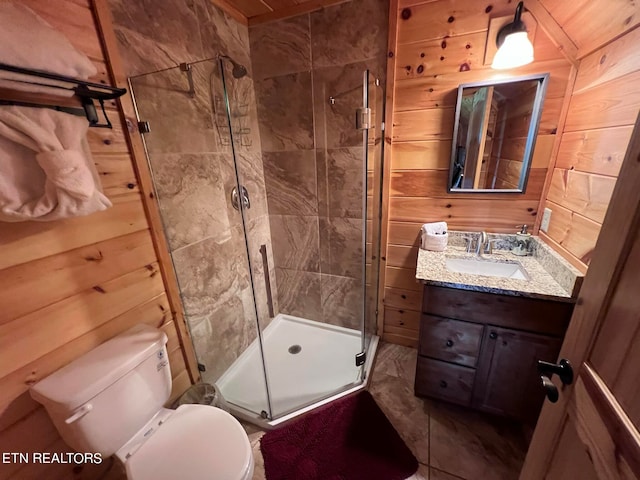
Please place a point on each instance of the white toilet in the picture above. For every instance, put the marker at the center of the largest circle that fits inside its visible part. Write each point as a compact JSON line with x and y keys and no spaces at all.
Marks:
{"x":110,"y":401}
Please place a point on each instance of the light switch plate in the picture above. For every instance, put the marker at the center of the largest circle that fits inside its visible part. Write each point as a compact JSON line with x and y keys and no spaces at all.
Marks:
{"x":546,"y":218}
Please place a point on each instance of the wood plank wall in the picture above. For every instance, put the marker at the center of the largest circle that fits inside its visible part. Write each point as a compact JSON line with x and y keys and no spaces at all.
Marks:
{"x":602,"y":111}
{"x":67,"y":286}
{"x":439,"y":45}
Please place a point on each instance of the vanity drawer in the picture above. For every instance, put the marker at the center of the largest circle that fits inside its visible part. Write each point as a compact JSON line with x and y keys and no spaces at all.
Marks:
{"x":450,"y":340}
{"x":522,"y":313}
{"x":445,"y":381}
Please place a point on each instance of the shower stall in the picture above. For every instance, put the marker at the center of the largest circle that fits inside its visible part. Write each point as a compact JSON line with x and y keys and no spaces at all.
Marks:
{"x":281,"y":307}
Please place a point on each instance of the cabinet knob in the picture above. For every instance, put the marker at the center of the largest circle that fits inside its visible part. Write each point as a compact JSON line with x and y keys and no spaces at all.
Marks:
{"x":493,"y":335}
{"x":443,"y":384}
{"x":449,"y":343}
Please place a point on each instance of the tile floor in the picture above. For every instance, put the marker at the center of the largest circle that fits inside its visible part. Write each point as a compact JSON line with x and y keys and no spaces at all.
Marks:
{"x":451,"y":443}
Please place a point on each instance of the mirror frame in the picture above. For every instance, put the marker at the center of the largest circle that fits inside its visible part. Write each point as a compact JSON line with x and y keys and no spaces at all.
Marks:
{"x":543,"y":80}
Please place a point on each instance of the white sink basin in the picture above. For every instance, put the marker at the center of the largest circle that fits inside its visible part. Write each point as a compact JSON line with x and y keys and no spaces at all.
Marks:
{"x":487,"y":268}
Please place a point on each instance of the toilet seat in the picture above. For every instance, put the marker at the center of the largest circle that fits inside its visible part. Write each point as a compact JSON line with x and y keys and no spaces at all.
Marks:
{"x":197,"y":442}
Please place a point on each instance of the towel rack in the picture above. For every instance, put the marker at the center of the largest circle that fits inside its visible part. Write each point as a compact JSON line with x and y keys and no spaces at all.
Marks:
{"x":87,"y":92}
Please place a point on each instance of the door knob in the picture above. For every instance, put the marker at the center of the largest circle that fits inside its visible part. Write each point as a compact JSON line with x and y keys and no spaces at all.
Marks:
{"x":562,"y":369}
{"x":550,"y":390}
{"x":246,"y":203}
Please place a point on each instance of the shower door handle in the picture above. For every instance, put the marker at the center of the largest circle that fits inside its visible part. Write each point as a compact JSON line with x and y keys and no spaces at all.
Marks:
{"x":246,"y":203}
{"x":267,"y":279}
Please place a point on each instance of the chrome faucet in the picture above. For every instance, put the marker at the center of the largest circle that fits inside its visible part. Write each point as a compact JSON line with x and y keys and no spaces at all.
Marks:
{"x":481,"y":246}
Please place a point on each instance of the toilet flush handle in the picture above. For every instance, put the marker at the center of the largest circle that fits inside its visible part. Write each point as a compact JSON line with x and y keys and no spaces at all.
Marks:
{"x":86,"y":408}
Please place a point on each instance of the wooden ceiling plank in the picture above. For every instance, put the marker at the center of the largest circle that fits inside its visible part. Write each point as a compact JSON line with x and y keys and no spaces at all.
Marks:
{"x":563,"y":11}
{"x":232,"y":10}
{"x":599,"y":23}
{"x":554,"y":30}
{"x":268,"y":7}
{"x":275,"y":5}
{"x":592,"y":23}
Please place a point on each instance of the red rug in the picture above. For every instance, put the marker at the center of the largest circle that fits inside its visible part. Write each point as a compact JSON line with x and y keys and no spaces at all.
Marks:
{"x":349,"y":439}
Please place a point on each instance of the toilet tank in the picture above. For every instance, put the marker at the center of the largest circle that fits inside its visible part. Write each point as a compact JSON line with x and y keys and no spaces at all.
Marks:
{"x":101,"y":399}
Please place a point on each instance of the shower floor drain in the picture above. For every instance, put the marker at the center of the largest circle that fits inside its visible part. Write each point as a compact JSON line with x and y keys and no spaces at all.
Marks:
{"x":293,"y":349}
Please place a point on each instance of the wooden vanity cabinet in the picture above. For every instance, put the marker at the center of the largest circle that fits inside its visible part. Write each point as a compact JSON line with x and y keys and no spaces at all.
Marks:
{"x":481,"y":349}
{"x":507,"y":381}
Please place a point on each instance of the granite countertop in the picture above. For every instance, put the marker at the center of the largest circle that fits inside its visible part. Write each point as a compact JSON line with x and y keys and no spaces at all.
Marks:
{"x":550,"y":276}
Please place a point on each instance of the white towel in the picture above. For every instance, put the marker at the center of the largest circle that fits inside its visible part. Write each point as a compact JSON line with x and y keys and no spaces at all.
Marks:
{"x":434,"y":236}
{"x":434,"y":228}
{"x":27,"y":41}
{"x":46,"y":171}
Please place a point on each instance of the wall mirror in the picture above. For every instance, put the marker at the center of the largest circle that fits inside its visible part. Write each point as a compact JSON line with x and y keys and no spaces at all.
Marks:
{"x":495,"y":131}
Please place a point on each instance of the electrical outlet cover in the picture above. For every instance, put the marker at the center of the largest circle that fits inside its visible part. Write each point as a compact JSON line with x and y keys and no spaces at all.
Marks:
{"x":546,"y":218}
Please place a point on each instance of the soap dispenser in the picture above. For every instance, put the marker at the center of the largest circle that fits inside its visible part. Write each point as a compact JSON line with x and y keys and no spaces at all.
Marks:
{"x":523,"y":239}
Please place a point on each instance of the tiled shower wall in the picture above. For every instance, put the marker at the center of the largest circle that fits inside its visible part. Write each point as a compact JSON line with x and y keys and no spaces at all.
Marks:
{"x":312,"y":153}
{"x":192,"y":162}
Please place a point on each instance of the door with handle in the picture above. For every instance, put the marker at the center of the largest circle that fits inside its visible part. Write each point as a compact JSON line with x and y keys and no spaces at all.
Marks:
{"x":592,"y":431}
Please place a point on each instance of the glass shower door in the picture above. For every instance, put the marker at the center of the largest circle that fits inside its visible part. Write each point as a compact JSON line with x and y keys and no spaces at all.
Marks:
{"x":194,"y":170}
{"x":236,"y":116}
{"x":373,"y":151}
{"x":328,"y":305}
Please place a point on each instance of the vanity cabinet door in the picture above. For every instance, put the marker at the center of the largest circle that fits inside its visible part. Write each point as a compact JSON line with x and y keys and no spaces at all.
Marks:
{"x":507,"y":381}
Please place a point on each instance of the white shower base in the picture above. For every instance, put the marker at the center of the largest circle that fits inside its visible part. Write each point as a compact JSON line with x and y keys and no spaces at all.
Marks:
{"x":324,"y":369}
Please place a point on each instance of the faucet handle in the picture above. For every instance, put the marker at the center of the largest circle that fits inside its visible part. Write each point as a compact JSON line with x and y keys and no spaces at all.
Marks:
{"x":489,"y":245}
{"x":482,"y":242}
{"x":469,"y":243}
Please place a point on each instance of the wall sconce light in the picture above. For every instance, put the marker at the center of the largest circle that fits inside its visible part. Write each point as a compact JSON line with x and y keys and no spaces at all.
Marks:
{"x":514,"y":47}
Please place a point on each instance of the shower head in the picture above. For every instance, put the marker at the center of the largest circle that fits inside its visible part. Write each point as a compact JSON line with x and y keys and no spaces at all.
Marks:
{"x":239,"y":70}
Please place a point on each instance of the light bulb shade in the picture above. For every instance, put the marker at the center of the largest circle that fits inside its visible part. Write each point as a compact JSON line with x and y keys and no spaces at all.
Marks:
{"x":514,"y":52}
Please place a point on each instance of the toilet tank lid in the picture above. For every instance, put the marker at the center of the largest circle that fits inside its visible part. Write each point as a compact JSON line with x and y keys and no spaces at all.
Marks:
{"x":86,"y":376}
